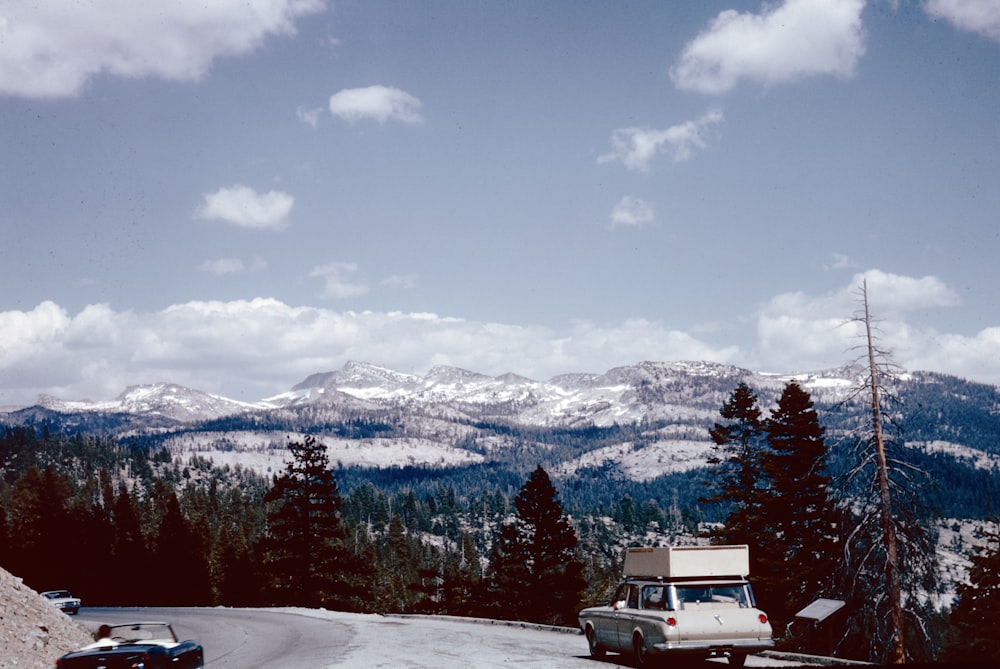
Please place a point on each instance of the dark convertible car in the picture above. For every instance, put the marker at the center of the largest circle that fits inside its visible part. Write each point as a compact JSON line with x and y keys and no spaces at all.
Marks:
{"x":135,"y":646}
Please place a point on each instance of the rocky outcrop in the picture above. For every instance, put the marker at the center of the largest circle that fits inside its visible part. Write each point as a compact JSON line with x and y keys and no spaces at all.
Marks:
{"x":33,"y":633}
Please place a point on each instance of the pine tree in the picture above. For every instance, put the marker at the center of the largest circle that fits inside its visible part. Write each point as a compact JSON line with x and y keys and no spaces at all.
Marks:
{"x":537,"y":575}
{"x":179,"y":561}
{"x":797,"y":511}
{"x":129,"y":553}
{"x":976,"y":615}
{"x":305,"y":553}
{"x":735,"y":468}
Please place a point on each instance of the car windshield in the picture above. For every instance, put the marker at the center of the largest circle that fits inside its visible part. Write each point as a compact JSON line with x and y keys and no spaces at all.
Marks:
{"x":731,"y":595}
{"x":58,"y":594}
{"x":143,"y":632}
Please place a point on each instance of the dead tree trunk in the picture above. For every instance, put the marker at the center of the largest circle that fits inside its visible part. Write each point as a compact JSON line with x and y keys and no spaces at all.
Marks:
{"x":888,"y":529}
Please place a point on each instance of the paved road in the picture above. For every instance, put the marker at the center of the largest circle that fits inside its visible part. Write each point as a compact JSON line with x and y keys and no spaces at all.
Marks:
{"x":307,"y":639}
{"x":244,"y":638}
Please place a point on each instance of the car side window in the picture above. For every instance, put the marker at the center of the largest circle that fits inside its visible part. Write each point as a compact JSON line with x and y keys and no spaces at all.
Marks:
{"x":633,"y":597}
{"x":621,"y":594}
{"x":653,"y":597}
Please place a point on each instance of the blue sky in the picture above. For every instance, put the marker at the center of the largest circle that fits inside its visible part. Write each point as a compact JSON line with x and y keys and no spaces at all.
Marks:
{"x":236,"y":197}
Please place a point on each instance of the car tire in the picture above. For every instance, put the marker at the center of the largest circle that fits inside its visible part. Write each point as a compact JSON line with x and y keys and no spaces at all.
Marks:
{"x":737,"y":660}
{"x":596,"y":649}
{"x":640,"y":652}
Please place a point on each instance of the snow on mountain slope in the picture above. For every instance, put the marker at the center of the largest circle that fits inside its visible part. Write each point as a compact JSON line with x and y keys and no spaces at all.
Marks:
{"x":685,"y":391}
{"x":266,"y":452}
{"x":641,"y":462}
{"x":160,"y":399}
{"x":452,"y":416}
{"x":977,"y":458}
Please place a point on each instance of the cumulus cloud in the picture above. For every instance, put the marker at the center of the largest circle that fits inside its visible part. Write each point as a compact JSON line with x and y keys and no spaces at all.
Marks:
{"x":978,"y":16}
{"x":631,"y":212}
{"x":785,"y":42}
{"x":52,"y":48}
{"x":379,"y":103}
{"x":244,"y":207}
{"x":336,"y":285}
{"x":817,"y":331}
{"x":250,"y":349}
{"x":636,"y":147}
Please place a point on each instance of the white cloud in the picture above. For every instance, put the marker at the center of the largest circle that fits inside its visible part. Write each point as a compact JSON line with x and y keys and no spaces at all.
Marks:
{"x":402,"y":281}
{"x":815,"y":332}
{"x":52,"y":48}
{"x":840,"y":261}
{"x":250,"y":349}
{"x":335,"y":283}
{"x":380,"y":103}
{"x":223,"y":266}
{"x":309,"y":115}
{"x":785,"y":42}
{"x":978,"y":16}
{"x":244,"y":207}
{"x":631,"y":212}
{"x":636,"y":147}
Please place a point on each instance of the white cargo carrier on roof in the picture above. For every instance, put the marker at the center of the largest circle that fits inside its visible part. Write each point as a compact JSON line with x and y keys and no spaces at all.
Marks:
{"x":670,"y":562}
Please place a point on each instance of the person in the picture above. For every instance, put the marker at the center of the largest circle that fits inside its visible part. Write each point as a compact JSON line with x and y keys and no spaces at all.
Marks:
{"x":102,"y":638}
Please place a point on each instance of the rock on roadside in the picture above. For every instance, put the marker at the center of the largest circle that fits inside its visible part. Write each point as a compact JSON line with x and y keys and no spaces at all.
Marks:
{"x":33,"y":633}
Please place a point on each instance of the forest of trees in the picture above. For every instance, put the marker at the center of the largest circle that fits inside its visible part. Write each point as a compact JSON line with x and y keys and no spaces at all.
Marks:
{"x":99,"y":515}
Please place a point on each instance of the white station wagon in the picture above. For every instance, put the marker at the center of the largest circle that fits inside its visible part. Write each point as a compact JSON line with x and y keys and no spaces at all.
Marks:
{"x":689,"y":601}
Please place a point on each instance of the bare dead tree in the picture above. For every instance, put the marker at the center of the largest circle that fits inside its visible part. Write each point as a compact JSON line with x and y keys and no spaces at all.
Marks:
{"x":889,"y":548}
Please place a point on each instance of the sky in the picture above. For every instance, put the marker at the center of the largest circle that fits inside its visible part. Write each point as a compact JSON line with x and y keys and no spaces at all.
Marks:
{"x":234,"y":195}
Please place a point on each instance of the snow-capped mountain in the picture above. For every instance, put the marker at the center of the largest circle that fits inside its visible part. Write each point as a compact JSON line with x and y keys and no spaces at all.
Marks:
{"x":167,"y":400}
{"x":634,"y":422}
{"x":645,"y":391}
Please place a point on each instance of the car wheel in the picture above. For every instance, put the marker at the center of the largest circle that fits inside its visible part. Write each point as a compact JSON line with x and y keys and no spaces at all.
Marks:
{"x":640,"y":652}
{"x":596,"y":649}
{"x":737,"y":659}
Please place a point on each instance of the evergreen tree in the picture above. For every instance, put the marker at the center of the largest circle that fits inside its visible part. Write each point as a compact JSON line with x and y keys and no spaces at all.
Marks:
{"x":976,"y":615}
{"x":797,"y":510}
{"x":305,"y":553}
{"x":130,"y":557}
{"x":735,"y":468}
{"x":39,"y":523}
{"x":180,"y":561}
{"x":537,"y":575}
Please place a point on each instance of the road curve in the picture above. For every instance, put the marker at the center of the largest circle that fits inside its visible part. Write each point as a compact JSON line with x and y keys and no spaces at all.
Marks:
{"x":317,"y":639}
{"x":244,"y":638}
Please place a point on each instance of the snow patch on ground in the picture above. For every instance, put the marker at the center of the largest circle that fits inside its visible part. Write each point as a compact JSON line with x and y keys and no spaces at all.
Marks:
{"x":266,"y":453}
{"x":642,"y":462}
{"x":977,"y":458}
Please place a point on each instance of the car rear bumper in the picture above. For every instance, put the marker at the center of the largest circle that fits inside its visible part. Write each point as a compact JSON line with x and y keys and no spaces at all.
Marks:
{"x":715,"y":648}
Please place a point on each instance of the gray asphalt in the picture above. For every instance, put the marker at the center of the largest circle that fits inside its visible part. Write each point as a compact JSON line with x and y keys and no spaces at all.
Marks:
{"x":317,"y":639}
{"x":244,"y":638}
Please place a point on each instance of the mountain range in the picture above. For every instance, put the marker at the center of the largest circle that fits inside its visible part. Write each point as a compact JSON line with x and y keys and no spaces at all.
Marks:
{"x":636,"y":422}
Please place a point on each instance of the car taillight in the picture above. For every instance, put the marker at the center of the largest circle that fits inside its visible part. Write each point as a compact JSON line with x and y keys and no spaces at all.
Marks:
{"x":139,"y":662}
{"x":762,"y":618}
{"x":671,"y":621}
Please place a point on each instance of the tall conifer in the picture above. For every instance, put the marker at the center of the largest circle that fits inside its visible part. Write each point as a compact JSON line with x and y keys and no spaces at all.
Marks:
{"x":797,"y":510}
{"x":306,"y":558}
{"x":537,"y":575}
{"x":735,"y":472}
